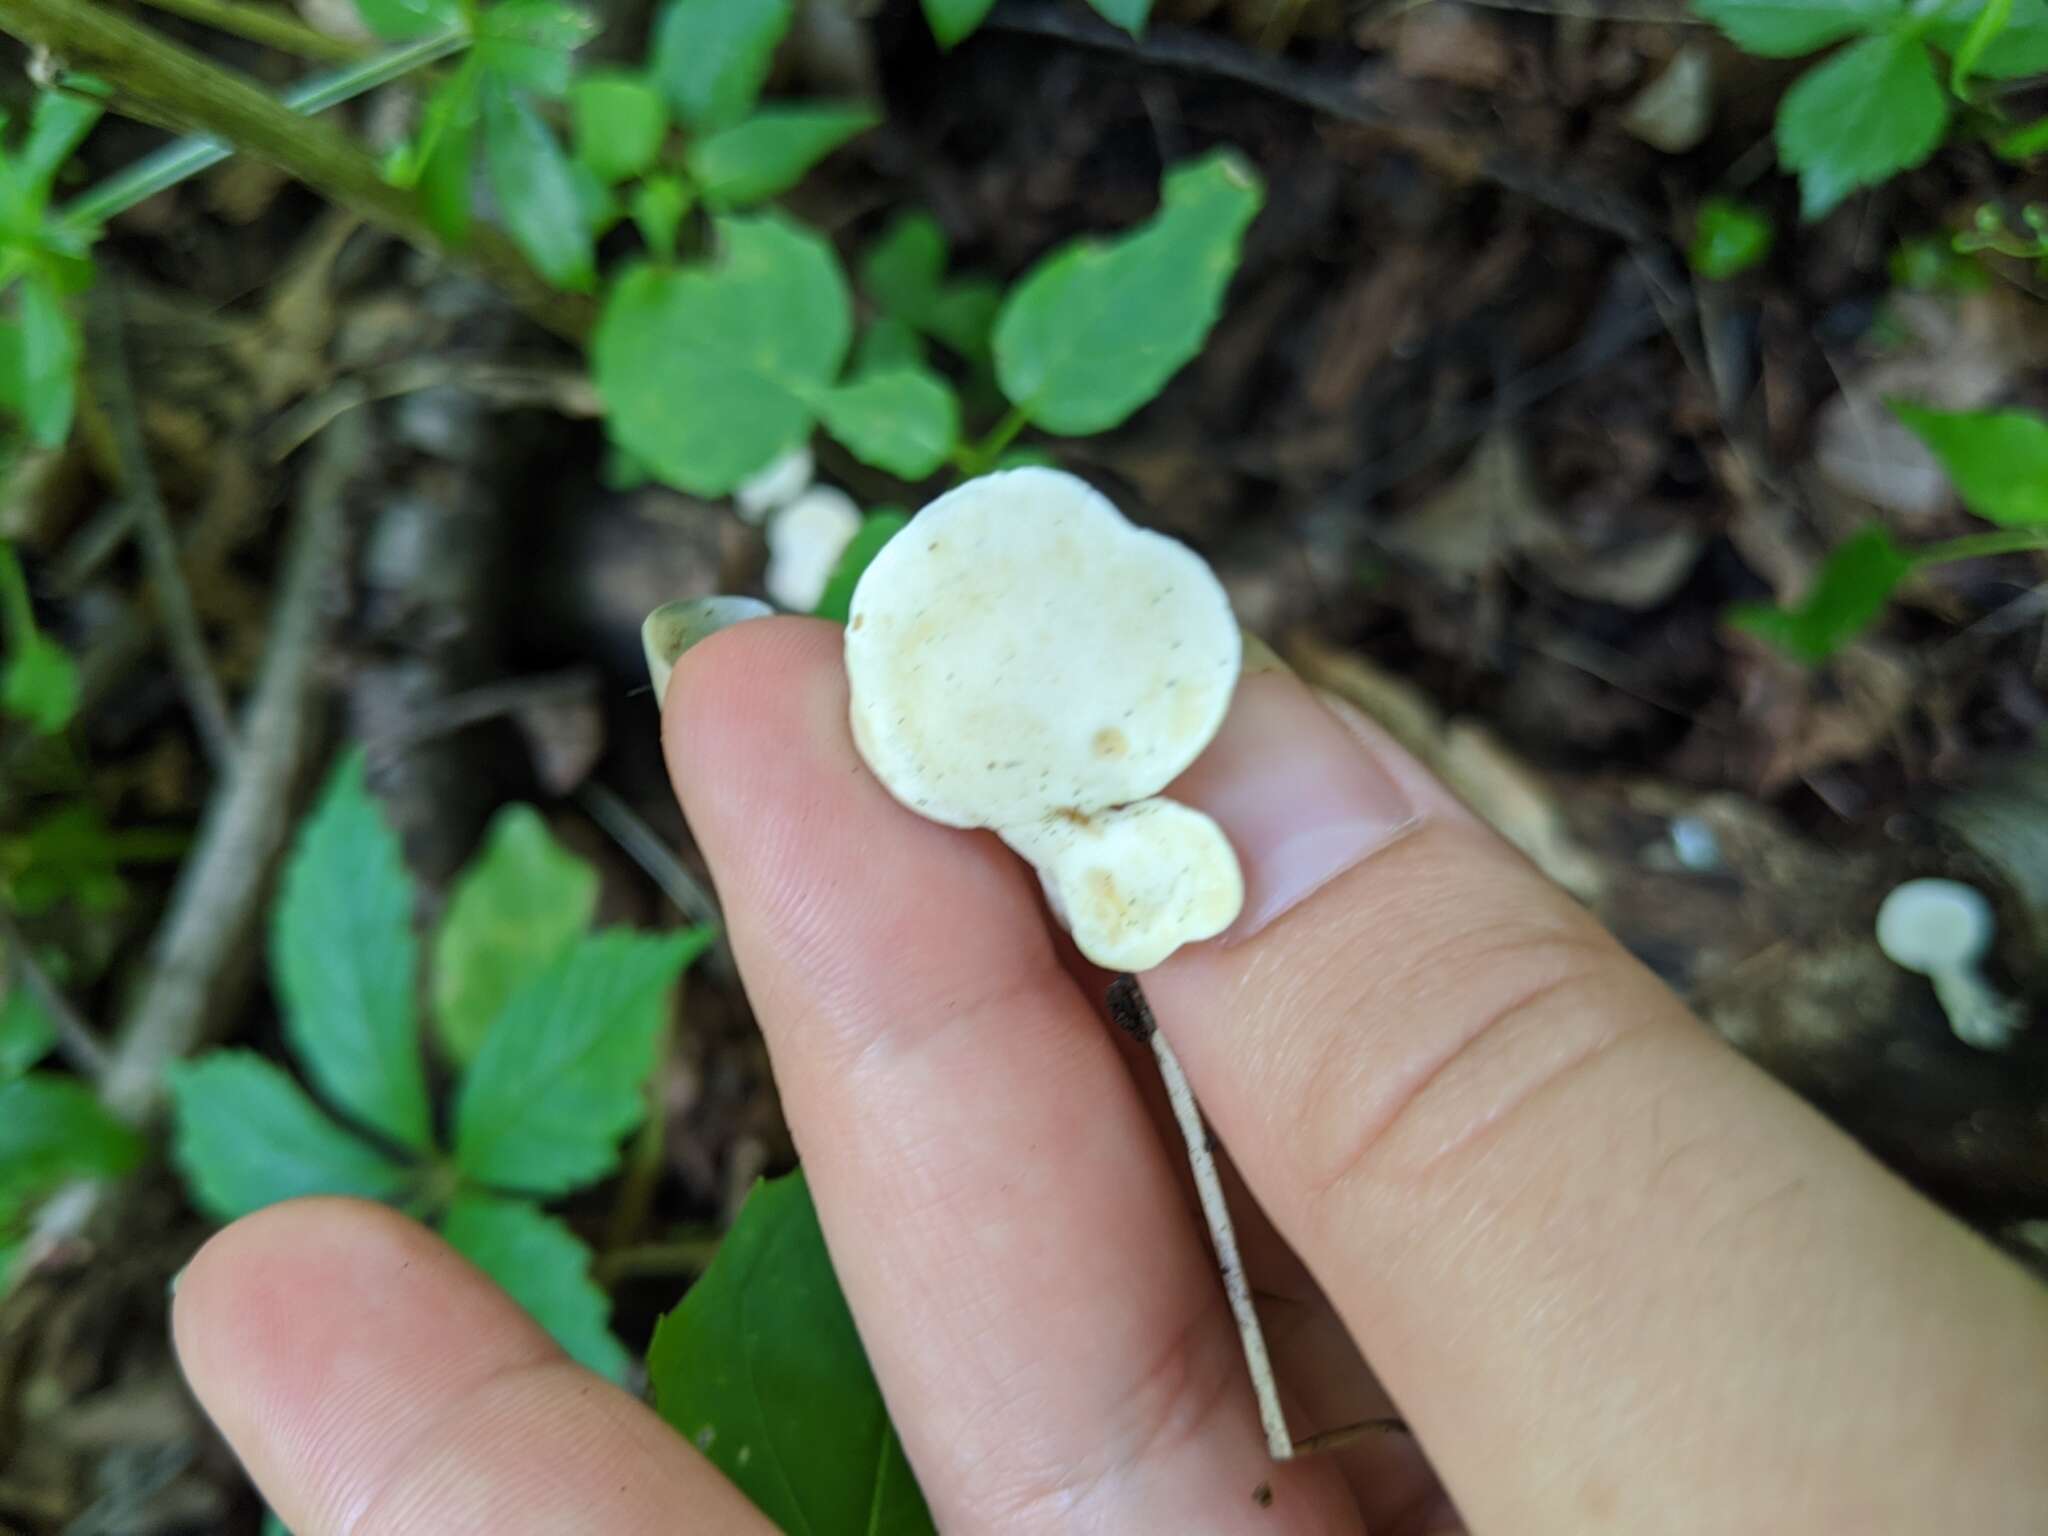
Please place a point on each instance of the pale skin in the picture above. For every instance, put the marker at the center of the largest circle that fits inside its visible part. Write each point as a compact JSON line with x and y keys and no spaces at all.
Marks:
{"x":1613,"y":1277}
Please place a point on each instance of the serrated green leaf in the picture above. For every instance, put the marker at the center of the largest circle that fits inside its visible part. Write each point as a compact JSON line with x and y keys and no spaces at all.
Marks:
{"x":543,"y":1266}
{"x":520,"y":905}
{"x":707,"y":371}
{"x":904,"y":421}
{"x":26,"y":1031}
{"x":245,"y":1136}
{"x":1871,"y":111}
{"x":1997,"y":459}
{"x":52,"y":1128}
{"x":761,"y":1369}
{"x":954,"y":21}
{"x":530,"y":45}
{"x":560,"y":1076}
{"x":1785,"y":29}
{"x":876,"y":530}
{"x":2009,"y":52}
{"x":620,"y":121}
{"x":397,"y":20}
{"x":1129,"y":15}
{"x":39,"y":684}
{"x":1848,"y":594}
{"x":345,"y":962}
{"x":537,"y":193}
{"x":1729,"y":239}
{"x":50,"y":350}
{"x":1097,"y":329}
{"x":712,"y":56}
{"x":771,"y":151}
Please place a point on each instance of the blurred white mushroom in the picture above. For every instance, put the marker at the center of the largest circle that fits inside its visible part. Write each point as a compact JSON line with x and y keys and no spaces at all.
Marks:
{"x":1942,"y":929}
{"x":776,"y":486}
{"x":674,"y":627}
{"x":1024,"y":659}
{"x":805,"y":540}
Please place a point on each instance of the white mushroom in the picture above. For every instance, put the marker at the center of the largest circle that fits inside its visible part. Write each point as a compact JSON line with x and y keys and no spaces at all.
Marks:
{"x":1942,"y":929}
{"x":777,"y":486}
{"x":1024,"y":659}
{"x":805,"y":540}
{"x":674,"y":627}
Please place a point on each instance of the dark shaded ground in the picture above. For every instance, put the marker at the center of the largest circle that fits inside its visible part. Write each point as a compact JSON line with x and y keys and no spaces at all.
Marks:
{"x":1469,"y":443}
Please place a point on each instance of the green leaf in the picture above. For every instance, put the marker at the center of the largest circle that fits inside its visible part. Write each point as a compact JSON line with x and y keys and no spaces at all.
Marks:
{"x":58,"y":126}
{"x":1785,"y":29}
{"x":537,"y":192}
{"x":1851,"y":590}
{"x":52,"y":1128}
{"x":245,"y":1136}
{"x":1127,"y":14}
{"x":1729,"y":239}
{"x":442,"y":159}
{"x":517,"y":908}
{"x":1096,"y":330}
{"x":544,"y":1267}
{"x":559,"y":1078}
{"x":2023,"y":142}
{"x":771,"y":151}
{"x":964,"y":315}
{"x":761,"y":1369}
{"x":397,"y":20}
{"x":346,"y":965}
{"x":954,"y":21}
{"x":658,"y":206}
{"x":49,"y":362}
{"x":620,"y":122}
{"x":905,"y":421}
{"x":905,"y":268}
{"x":2009,"y":52}
{"x":707,"y":372}
{"x":1997,"y":459}
{"x":26,"y":1031}
{"x":1860,"y":118}
{"x":887,"y":345}
{"x":39,"y":684}
{"x":876,"y":530}
{"x":712,"y":56}
{"x":531,"y":44}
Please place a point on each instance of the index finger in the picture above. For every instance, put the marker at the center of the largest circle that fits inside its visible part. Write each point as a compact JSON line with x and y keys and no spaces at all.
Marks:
{"x":1614,"y":1276}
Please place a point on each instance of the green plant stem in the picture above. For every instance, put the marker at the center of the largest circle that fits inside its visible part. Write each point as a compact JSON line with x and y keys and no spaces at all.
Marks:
{"x":189,"y":157}
{"x":159,"y":82}
{"x":980,"y":458}
{"x":262,"y":24}
{"x":1977,"y":546}
{"x":17,"y":613}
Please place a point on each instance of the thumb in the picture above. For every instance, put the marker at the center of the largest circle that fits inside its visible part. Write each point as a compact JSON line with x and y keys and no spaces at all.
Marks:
{"x":1614,"y":1276}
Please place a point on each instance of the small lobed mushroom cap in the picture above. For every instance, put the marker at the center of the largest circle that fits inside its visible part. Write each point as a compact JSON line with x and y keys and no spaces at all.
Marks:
{"x":805,"y":540}
{"x":1021,"y":652}
{"x":1935,"y":925}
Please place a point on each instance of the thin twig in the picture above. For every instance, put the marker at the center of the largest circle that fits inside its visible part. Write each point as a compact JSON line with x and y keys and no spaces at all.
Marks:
{"x":114,"y":387}
{"x":645,"y":847}
{"x":263,"y":24}
{"x":1128,"y":1006}
{"x":509,"y":386}
{"x":75,"y":1037}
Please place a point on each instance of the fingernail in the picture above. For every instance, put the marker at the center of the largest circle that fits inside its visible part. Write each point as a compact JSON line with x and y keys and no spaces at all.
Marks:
{"x":1300,"y":797}
{"x":674,"y":627}
{"x":176,"y":1280}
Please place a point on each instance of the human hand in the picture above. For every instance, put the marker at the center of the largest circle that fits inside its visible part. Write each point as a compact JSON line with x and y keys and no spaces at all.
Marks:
{"x":1613,"y":1277}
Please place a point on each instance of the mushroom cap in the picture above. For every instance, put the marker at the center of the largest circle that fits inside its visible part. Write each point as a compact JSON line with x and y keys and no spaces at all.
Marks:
{"x":1022,"y":652}
{"x":1935,"y":925}
{"x":805,"y":540}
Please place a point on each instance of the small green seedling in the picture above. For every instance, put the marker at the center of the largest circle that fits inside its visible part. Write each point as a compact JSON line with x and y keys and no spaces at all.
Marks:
{"x":1998,"y":461}
{"x":1729,"y":239}
{"x":38,"y":681}
{"x":1943,"y":929}
{"x":1881,"y":104}
{"x":45,"y":260}
{"x":553,"y":1030}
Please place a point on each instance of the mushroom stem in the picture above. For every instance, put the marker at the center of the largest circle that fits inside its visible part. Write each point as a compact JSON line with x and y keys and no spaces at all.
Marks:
{"x":1127,"y":1003}
{"x":1979,"y":1014}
